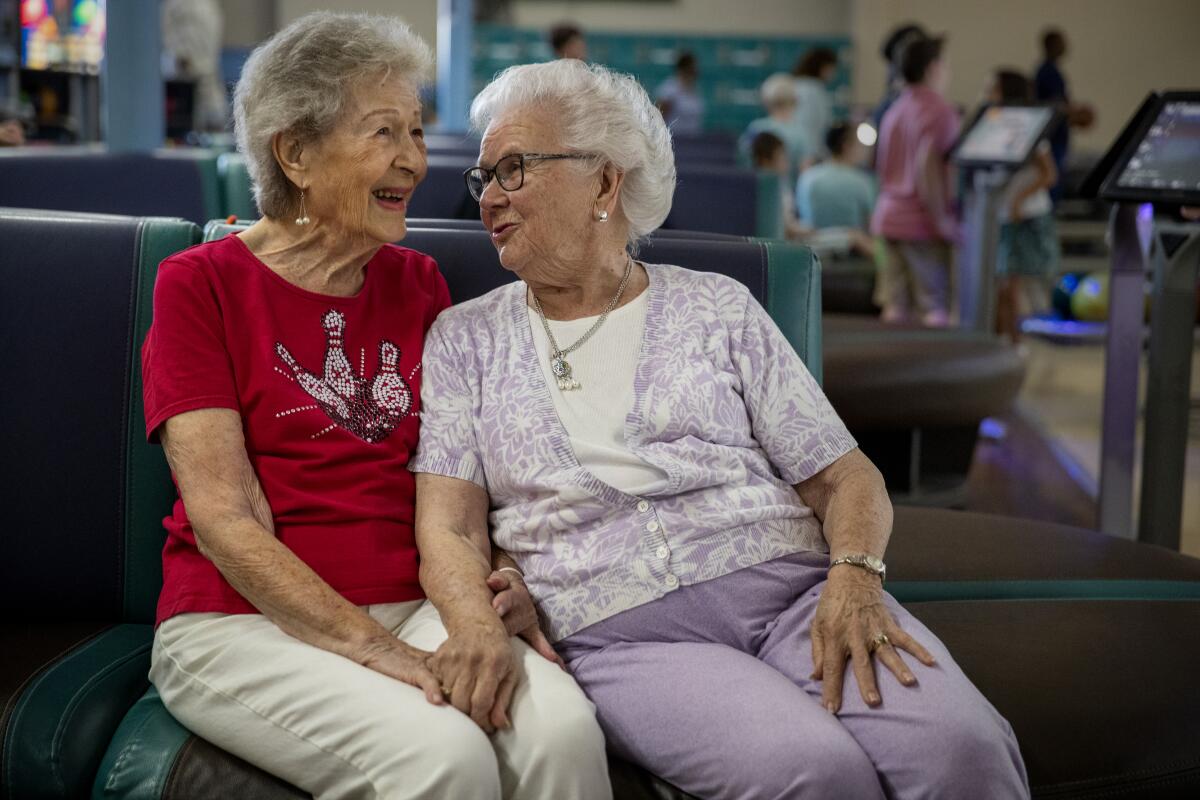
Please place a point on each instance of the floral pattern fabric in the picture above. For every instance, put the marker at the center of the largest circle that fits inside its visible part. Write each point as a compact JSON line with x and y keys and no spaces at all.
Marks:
{"x":722,"y":404}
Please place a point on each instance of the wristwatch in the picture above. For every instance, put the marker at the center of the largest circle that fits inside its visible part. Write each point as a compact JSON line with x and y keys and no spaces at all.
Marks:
{"x":870,"y":563}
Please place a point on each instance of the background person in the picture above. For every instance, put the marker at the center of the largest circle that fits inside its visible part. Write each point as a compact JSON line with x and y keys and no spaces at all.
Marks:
{"x":838,"y":193}
{"x":12,"y":128}
{"x":768,"y":154}
{"x":814,"y":103}
{"x":679,"y":100}
{"x":913,"y":213}
{"x":1050,"y":86}
{"x":567,"y":41}
{"x":778,"y":95}
{"x":1027,"y":251}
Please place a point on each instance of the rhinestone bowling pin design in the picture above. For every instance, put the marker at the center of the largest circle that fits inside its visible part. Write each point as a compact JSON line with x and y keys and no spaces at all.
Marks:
{"x":369,"y":409}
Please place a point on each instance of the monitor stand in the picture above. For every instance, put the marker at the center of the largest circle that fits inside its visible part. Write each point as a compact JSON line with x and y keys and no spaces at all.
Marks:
{"x":1175,"y":262}
{"x":981,"y":237}
{"x":1175,"y":256}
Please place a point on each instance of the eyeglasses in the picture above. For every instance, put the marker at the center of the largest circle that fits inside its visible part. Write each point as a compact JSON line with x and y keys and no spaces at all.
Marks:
{"x":509,"y":171}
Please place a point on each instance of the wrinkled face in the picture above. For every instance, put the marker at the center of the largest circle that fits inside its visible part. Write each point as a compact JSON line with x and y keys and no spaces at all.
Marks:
{"x":550,"y":218}
{"x":363,"y":173}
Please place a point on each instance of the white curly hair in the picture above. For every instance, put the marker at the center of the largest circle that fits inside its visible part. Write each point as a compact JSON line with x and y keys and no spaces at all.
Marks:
{"x":602,"y":112}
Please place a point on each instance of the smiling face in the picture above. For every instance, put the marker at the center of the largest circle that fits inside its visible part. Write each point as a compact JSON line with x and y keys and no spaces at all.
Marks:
{"x":550,"y":220}
{"x":362,"y":174}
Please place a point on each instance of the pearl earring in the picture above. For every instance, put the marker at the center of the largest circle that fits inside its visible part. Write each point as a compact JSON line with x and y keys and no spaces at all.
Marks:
{"x":303,"y":218}
{"x":603,"y":216}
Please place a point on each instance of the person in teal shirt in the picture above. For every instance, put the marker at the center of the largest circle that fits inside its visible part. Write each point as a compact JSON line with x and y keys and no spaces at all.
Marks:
{"x":837,"y":193}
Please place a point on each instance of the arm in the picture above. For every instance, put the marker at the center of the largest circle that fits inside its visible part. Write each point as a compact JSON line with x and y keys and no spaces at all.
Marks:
{"x":931,"y":189}
{"x":1047,"y":176}
{"x":850,"y":499}
{"x":476,"y":663}
{"x":234,"y":529}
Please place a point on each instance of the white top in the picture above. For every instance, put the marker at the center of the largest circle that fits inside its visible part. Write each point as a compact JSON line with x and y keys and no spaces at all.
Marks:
{"x":594,"y":414}
{"x":1037,"y":204}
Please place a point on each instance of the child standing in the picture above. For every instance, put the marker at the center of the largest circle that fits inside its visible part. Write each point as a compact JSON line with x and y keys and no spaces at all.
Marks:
{"x":1028,"y":249}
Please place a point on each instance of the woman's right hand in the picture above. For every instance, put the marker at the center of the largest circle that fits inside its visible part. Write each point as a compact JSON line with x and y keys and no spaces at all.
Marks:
{"x":477,"y":668}
{"x":515,"y":606}
{"x":392,"y":657}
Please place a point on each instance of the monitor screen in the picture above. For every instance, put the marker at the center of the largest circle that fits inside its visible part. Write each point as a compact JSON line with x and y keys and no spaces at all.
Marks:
{"x":62,"y":34}
{"x":1161,"y":162}
{"x":1003,"y":135}
{"x":1168,"y":156}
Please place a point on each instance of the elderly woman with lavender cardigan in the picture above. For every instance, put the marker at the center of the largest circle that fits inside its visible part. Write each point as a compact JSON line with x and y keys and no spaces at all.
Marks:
{"x":700,"y":534}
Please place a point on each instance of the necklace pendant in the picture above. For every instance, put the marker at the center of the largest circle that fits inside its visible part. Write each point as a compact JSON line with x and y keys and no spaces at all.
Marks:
{"x":562,"y":371}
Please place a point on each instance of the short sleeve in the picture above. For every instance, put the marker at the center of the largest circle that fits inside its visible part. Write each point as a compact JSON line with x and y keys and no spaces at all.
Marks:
{"x":449,"y":408}
{"x":790,"y":416}
{"x":185,"y":361}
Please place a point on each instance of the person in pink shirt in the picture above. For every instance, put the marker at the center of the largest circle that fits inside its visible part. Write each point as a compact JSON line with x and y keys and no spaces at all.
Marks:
{"x":913,"y":214}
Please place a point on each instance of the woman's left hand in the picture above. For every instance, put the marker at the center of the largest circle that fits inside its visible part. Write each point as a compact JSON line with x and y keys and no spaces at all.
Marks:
{"x":852,"y":622}
{"x":515,"y":606}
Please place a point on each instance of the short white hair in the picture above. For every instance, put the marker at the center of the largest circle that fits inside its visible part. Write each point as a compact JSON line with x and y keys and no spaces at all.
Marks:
{"x":598,"y":111}
{"x":300,"y":79}
{"x":778,"y":90}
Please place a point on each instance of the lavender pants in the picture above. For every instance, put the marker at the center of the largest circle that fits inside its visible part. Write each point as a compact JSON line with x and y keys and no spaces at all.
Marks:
{"x":708,"y":687}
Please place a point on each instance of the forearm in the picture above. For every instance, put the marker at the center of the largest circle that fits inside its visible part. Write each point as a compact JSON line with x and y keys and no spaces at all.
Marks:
{"x":454,"y":575}
{"x":853,"y":507}
{"x":287,"y":591}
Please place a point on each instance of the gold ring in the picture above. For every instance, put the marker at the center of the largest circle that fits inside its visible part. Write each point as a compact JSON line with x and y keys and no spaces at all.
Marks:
{"x":446,"y":690}
{"x":878,"y":642}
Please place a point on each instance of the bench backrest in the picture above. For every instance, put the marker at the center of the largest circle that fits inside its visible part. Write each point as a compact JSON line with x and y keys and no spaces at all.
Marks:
{"x":168,"y":183}
{"x":83,"y":493}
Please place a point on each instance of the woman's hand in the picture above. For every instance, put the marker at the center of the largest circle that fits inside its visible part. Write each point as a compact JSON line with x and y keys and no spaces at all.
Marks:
{"x":477,"y":669}
{"x":851,"y":621}
{"x":515,"y":606}
{"x":392,"y":657}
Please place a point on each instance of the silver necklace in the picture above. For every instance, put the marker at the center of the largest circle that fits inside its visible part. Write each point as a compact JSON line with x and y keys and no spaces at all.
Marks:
{"x":558,"y":362}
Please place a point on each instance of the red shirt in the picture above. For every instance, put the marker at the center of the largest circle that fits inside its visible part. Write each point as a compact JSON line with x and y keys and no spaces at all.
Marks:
{"x":328,"y":389}
{"x":919,"y":116}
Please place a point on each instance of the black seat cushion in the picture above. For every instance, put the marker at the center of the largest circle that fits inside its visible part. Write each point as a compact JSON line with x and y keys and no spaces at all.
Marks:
{"x":1101,"y":694}
{"x":164,"y":184}
{"x":956,"y":546}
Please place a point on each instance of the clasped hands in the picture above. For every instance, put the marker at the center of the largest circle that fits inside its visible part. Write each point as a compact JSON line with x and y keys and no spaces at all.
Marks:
{"x":476,"y":669}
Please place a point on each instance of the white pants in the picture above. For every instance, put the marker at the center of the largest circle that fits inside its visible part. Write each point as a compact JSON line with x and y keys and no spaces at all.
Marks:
{"x":339,"y":730}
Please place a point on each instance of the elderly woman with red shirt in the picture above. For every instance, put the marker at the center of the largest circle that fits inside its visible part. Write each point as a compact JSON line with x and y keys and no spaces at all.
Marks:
{"x":282,"y":375}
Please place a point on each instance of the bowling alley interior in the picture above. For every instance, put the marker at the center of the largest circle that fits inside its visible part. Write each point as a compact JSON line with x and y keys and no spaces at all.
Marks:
{"x":540,"y":399}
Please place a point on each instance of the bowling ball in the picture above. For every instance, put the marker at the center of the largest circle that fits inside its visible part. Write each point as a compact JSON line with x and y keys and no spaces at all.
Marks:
{"x":1089,"y":303}
{"x":1083,"y":116}
{"x":1060,"y":298}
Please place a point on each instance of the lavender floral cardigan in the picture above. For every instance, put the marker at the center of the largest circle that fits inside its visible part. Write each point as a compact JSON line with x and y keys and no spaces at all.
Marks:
{"x":722,"y":404}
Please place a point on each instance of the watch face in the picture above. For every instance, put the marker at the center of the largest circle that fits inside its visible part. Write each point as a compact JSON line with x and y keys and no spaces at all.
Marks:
{"x":874,"y":563}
